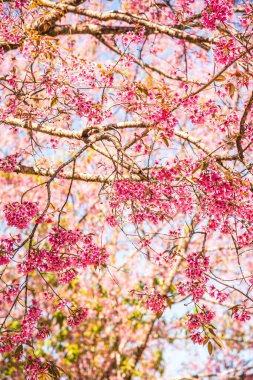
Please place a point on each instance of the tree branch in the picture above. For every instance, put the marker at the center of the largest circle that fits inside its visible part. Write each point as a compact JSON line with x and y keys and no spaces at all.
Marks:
{"x":87,"y":132}
{"x":45,"y":172}
{"x":242,"y":128}
{"x":204,"y":42}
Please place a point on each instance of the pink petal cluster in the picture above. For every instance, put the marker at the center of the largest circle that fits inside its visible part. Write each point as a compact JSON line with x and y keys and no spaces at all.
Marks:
{"x":6,"y":248}
{"x":26,"y":331}
{"x":20,"y":215}
{"x":216,"y":11}
{"x":70,"y":250}
{"x":60,"y":238}
{"x":156,"y":303}
{"x":9,"y":163}
{"x":35,"y":368}
{"x":9,"y":293}
{"x":226,"y":51}
{"x":197,"y":265}
{"x":242,"y":315}
{"x":133,"y":38}
{"x":77,"y":316}
{"x":196,"y":321}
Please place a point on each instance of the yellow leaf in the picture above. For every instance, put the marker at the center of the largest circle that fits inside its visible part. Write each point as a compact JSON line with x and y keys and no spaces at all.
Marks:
{"x":210,"y":347}
{"x":169,"y":303}
{"x":218,"y":341}
{"x":54,"y":101}
{"x":231,"y":90}
{"x":165,"y":140}
{"x":45,"y":376}
{"x":220,"y":78}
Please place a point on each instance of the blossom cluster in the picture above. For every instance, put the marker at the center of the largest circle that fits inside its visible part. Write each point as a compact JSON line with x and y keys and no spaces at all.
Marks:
{"x":152,"y":300}
{"x":216,"y":11}
{"x":9,"y":20}
{"x":9,"y":293}
{"x":195,"y":322}
{"x":226,"y":51}
{"x":241,"y":314}
{"x":77,"y":316}
{"x":7,"y":248}
{"x":197,"y":265}
{"x":35,"y":368}
{"x":20,"y":215}
{"x":150,"y":200}
{"x":156,"y":303}
{"x":215,"y":196}
{"x":133,"y":38}
{"x":9,"y":163}
{"x":26,"y":331}
{"x":70,"y":250}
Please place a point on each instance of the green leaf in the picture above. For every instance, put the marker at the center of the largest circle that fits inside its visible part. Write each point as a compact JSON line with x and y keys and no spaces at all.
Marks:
{"x":172,"y":288}
{"x":60,"y":317}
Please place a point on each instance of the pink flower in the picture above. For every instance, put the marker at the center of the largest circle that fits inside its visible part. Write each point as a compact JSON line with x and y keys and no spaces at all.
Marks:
{"x":242,"y":315}
{"x":20,"y":214}
{"x":66,"y":277}
{"x":77,"y":316}
{"x":197,"y":338}
{"x":206,"y":316}
{"x":216,"y":11}
{"x":221,"y":296}
{"x":10,"y":293}
{"x":112,"y":221}
{"x":226,"y":51}
{"x":196,"y":321}
{"x":4,"y":259}
{"x":196,"y":266}
{"x":193,"y":322}
{"x":9,"y":163}
{"x":156,"y":302}
{"x":35,"y":368}
{"x":62,"y":238}
{"x":42,"y":333}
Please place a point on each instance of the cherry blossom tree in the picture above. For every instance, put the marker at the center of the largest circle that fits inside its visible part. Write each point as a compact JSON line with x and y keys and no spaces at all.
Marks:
{"x":126,"y":169}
